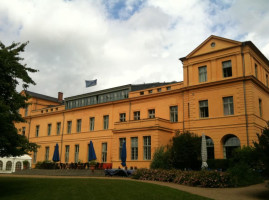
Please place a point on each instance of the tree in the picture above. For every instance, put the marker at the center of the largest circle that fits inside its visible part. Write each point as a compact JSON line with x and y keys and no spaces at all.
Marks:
{"x":186,"y":151}
{"x":11,"y":72}
{"x":262,"y":148}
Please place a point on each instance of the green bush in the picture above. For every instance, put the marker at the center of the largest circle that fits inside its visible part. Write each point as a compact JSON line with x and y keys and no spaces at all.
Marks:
{"x":186,"y":151}
{"x":242,"y":175}
{"x":219,"y":164}
{"x":161,"y":159}
{"x":204,"y":178}
{"x":46,"y":165}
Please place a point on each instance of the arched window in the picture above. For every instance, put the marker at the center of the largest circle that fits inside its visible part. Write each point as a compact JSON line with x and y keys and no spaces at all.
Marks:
{"x":18,"y":166}
{"x":1,"y":165}
{"x":230,"y":143}
{"x":8,"y":165}
{"x":210,"y":148}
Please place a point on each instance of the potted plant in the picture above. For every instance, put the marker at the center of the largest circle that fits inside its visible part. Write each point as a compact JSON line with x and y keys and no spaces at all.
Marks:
{"x":92,"y":165}
{"x":25,"y":164}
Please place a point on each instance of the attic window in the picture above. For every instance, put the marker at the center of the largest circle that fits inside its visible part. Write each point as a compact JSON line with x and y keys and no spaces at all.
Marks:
{"x":213,"y":44}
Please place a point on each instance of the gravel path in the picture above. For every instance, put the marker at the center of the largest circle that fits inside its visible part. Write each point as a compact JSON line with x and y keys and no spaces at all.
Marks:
{"x":254,"y":192}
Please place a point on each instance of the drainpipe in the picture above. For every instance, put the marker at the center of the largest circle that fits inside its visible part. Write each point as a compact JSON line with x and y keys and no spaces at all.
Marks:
{"x":244,"y":88}
{"x":130,"y":104}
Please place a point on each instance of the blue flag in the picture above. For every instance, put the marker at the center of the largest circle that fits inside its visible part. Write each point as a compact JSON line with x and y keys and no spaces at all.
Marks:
{"x":91,"y":83}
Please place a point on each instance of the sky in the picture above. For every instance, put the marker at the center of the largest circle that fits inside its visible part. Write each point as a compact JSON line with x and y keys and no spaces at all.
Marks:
{"x":121,"y":42}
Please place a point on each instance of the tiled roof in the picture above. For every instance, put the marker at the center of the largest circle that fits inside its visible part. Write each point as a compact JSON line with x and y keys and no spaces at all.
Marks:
{"x":41,"y":96}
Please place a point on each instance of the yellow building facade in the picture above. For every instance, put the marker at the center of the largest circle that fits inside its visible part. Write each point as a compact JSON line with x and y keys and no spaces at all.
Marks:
{"x":224,"y":95}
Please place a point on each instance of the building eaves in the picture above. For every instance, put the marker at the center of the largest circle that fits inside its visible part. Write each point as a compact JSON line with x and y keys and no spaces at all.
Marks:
{"x":41,"y":96}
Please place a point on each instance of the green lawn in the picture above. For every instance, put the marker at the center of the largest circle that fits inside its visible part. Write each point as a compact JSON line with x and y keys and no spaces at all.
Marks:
{"x":75,"y":188}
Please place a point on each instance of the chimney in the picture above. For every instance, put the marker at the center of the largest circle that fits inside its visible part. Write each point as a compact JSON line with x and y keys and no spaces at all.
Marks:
{"x":60,"y":97}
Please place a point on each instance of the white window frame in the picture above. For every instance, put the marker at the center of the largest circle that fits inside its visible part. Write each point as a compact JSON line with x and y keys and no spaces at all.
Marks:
{"x":147,"y":147}
{"x":134,"y":148}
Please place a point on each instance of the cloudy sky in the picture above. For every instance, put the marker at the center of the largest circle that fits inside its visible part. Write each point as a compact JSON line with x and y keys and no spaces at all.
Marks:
{"x":122,"y":42}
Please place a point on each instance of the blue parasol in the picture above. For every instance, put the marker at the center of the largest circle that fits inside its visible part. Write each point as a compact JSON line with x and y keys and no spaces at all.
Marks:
{"x":92,"y":155}
{"x":123,"y":154}
{"x":56,"y":156}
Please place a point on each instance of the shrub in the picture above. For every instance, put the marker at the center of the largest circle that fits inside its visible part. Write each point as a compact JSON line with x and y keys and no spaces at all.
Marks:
{"x":202,"y":178}
{"x":46,"y":165}
{"x":242,"y":175}
{"x":186,"y":151}
{"x":219,"y":164}
{"x":262,"y":149}
{"x":160,"y":159}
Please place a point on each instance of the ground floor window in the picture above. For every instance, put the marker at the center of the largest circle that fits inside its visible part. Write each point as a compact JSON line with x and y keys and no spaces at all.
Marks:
{"x":210,"y":148}
{"x":121,"y":141}
{"x":8,"y":165}
{"x":66,"y":158}
{"x":76,"y":153}
{"x":47,"y":152}
{"x":230,"y":143}
{"x":104,"y":152}
{"x":18,"y":166}
{"x":134,"y":148}
{"x":147,"y":147}
{"x":1,"y":165}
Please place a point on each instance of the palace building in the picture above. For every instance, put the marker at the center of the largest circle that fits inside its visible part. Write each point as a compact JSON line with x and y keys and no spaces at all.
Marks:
{"x":224,"y":95}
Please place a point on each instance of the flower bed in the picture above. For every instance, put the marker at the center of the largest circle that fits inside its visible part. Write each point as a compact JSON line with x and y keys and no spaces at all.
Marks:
{"x":212,"y":179}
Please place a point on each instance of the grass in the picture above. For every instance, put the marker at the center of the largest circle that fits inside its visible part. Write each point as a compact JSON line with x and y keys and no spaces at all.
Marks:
{"x":76,"y":188}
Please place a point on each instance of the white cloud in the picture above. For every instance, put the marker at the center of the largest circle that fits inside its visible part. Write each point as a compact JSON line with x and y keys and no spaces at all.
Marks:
{"x":77,"y":40}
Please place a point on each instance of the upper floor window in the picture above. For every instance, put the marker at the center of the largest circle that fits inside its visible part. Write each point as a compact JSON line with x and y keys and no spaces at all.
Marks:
{"x":256,"y":71}
{"x":173,"y":114}
{"x":58,"y":128}
{"x":227,"y":68}
{"x":122,"y":117}
{"x":203,"y":106}
{"x":202,"y":74}
{"x":79,"y":125}
{"x":152,"y":113}
{"x":137,"y":115}
{"x":106,"y":122}
{"x":228,"y":105}
{"x":159,"y":89}
{"x":150,"y":91}
{"x":142,"y":93}
{"x":49,"y":129}
{"x":23,"y":131}
{"x":37,"y":131}
{"x":69,"y":126}
{"x":92,"y":119}
{"x":260,"y":107}
{"x":168,"y":88}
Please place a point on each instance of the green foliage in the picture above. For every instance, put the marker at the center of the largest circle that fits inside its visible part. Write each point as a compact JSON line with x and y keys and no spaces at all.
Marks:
{"x":46,"y":165}
{"x":11,"y":72}
{"x":204,"y":178}
{"x":262,"y":148}
{"x":242,"y":175}
{"x":219,"y":164}
{"x":160,"y":159}
{"x":186,"y":151}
